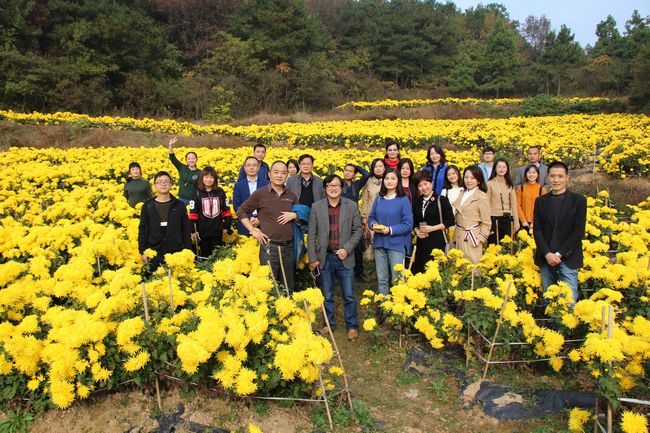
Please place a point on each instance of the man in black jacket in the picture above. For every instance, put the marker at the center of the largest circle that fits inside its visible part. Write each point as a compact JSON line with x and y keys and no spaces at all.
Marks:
{"x":164,"y":225}
{"x":559,"y":226}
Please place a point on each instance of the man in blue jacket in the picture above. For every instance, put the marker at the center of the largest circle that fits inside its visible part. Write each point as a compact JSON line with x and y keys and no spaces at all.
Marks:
{"x":259,"y":152}
{"x":251,"y":182}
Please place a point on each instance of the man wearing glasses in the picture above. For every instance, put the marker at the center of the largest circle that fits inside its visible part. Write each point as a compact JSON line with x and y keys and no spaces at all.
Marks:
{"x":334,"y":231}
{"x":164,"y":225}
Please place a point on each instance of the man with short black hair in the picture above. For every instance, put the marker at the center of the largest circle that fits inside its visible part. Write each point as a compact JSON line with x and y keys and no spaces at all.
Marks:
{"x":352,"y":190}
{"x":259,"y":152}
{"x":275,"y":234}
{"x":488,"y":155}
{"x":247,"y":186}
{"x":164,"y":225}
{"x":334,"y":232}
{"x":560,"y":218}
{"x":305,"y":185}
{"x":533,"y":156}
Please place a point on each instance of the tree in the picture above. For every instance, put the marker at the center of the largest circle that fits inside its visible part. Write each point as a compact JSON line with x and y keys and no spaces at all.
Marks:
{"x":461,"y":78}
{"x":278,"y":30}
{"x":535,"y":31}
{"x":499,"y":64}
{"x":561,"y":54}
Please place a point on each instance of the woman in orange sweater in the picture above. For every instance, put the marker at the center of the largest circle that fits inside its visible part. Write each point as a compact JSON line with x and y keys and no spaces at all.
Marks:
{"x":526,"y":196}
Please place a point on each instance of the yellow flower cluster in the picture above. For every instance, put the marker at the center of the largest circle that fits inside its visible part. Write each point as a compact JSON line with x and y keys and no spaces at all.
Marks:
{"x":71,"y":298}
{"x":574,"y":139}
{"x":395,"y":103}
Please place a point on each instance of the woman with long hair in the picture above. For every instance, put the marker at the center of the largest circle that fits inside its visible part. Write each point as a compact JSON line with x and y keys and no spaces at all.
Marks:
{"x":188,"y":175}
{"x":368,"y":195}
{"x":405,"y":171}
{"x":292,"y":167}
{"x":391,"y":219}
{"x":392,"y":156}
{"x":503,"y":202}
{"x":431,"y":217}
{"x":437,"y":165}
{"x":526,"y":196}
{"x":473,"y":221}
{"x":210,"y":212}
{"x":452,"y":185}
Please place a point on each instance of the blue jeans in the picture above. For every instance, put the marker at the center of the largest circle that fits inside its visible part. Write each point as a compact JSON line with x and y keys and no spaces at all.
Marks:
{"x":385,"y":261}
{"x":332,"y":269}
{"x":552,"y":274}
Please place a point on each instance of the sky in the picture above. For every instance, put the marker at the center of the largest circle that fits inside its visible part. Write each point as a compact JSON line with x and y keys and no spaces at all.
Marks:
{"x":581,"y":16}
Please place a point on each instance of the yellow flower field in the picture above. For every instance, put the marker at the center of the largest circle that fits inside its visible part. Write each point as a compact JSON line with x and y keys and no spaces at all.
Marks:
{"x":72,"y":319}
{"x":622,"y":140}
{"x":394,"y":103}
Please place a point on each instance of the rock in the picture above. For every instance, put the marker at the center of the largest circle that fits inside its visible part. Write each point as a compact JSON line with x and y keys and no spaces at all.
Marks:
{"x":412,"y":393}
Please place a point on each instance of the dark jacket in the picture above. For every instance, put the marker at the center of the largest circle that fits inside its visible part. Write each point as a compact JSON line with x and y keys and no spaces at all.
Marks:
{"x":438,"y":175}
{"x":353,"y":191}
{"x":263,"y":173}
{"x":294,"y":184}
{"x":210,"y":211}
{"x":563,"y":235}
{"x":432,"y":218}
{"x":174,"y":238}
{"x":241,"y":194}
{"x":187,"y":179}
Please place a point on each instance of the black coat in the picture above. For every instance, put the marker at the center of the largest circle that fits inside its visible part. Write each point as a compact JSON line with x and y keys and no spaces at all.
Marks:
{"x":564,"y":235}
{"x":174,"y":238}
{"x":432,"y":218}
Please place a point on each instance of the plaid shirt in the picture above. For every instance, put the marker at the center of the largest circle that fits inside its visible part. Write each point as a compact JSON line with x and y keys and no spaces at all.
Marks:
{"x":333,"y":214}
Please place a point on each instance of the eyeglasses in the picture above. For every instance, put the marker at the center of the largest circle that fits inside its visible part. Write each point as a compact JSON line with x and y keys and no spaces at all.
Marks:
{"x":336,"y":185}
{"x":162,"y":182}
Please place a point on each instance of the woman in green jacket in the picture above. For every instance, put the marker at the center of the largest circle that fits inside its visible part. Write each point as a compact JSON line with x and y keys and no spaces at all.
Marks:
{"x":188,"y":175}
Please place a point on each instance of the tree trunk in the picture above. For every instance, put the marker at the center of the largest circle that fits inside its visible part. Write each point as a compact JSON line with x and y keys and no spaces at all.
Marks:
{"x":558,"y":86}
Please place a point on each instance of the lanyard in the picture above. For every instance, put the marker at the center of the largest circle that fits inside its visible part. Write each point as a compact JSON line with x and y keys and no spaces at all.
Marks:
{"x":425,"y":204}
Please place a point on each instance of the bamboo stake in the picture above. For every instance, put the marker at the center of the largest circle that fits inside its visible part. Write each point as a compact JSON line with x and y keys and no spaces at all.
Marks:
{"x":338,"y":356}
{"x":145,"y":304}
{"x":146,"y":319}
{"x":284,"y":275}
{"x":415,"y":250}
{"x":610,"y":420}
{"x":496,"y":331}
{"x":320,"y":376}
{"x":171,"y":293}
{"x":99,"y":267}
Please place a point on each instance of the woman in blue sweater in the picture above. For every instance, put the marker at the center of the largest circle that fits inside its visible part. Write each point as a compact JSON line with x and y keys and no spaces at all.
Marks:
{"x":391,"y":218}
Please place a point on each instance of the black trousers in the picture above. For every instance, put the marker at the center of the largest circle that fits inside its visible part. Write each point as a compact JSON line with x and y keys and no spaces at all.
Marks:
{"x":270,"y":255}
{"x":207,"y":245}
{"x":501,"y":226}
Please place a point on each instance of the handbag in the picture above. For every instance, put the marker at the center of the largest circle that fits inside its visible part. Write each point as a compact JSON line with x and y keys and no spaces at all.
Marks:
{"x":444,"y":232}
{"x":369,"y":252}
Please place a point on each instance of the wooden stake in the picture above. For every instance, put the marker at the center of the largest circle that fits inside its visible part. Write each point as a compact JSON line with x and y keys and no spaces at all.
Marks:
{"x":284,"y":275}
{"x":146,"y":319}
{"x":171,"y":293}
{"x":496,"y":331}
{"x":610,"y":418}
{"x":338,"y":356}
{"x":99,"y":267}
{"x":145,"y":304}
{"x":415,"y":250}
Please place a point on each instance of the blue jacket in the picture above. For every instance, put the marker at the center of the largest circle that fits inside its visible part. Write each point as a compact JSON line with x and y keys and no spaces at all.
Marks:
{"x":396,"y":214}
{"x":438,"y":175}
{"x":241,"y":193}
{"x":299,"y":248}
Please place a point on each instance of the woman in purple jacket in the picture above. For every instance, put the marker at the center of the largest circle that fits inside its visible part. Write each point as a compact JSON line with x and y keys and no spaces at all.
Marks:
{"x":391,"y":218}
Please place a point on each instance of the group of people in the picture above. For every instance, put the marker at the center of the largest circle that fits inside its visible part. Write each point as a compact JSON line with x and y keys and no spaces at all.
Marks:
{"x":374,"y":212}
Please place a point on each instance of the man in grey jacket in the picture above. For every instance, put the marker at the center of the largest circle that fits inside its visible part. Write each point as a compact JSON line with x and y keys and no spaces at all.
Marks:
{"x":334,"y":231}
{"x":534,"y":156}
{"x":305,"y":185}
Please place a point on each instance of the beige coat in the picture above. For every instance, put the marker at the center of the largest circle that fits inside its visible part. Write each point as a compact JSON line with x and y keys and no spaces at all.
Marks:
{"x":475,"y":211}
{"x":499,"y":190}
{"x":368,"y":195}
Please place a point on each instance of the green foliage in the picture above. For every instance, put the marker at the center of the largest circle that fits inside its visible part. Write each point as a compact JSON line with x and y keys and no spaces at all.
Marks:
{"x":17,"y":421}
{"x":406,"y":378}
{"x":499,"y":63}
{"x":545,"y":105}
